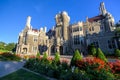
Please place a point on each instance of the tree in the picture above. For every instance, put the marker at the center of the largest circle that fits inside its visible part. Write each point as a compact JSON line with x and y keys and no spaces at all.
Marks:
{"x":92,"y":50}
{"x":2,"y":45}
{"x":117,"y":52}
{"x":10,"y":46}
{"x":100,"y":54}
{"x":77,"y":56}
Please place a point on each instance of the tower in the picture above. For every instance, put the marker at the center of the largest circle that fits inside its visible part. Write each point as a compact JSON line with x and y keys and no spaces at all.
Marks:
{"x":102,"y":9}
{"x":61,"y":32}
{"x":28,"y":25}
{"x":66,"y":20}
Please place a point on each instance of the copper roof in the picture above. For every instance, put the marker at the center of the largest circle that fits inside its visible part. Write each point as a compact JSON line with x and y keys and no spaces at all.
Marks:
{"x":35,"y":30}
{"x":96,"y":18}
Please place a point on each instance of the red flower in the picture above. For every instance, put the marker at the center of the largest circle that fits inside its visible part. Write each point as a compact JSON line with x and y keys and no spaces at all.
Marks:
{"x":49,"y":58}
{"x":64,"y":60}
{"x":115,"y":66}
{"x":91,"y":61}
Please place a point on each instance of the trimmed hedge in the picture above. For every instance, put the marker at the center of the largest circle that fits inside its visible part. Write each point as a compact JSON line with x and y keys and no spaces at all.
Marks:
{"x":77,"y":56}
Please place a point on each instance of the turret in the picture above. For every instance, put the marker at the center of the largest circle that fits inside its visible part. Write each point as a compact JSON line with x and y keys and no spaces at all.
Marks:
{"x":66,"y":20}
{"x":28,"y":22}
{"x":102,"y":9}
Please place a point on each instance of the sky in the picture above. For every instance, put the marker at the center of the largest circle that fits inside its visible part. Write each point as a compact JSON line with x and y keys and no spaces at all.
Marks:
{"x":13,"y":13}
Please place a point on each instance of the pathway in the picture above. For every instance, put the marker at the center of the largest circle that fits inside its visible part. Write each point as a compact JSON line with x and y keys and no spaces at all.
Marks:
{"x":7,"y":67}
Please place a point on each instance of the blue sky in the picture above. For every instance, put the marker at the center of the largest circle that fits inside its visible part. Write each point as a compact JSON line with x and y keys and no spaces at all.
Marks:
{"x":13,"y":13}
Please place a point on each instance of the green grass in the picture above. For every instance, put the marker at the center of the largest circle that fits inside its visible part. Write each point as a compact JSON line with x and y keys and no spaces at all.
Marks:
{"x":3,"y":50}
{"x":22,"y":75}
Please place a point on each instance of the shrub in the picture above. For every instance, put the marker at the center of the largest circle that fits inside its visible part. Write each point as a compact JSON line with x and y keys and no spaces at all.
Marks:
{"x":64,"y":63}
{"x":117,"y":52}
{"x":92,"y":63}
{"x":100,"y":54}
{"x":92,"y":69}
{"x":76,"y":56}
{"x":30,"y":63}
{"x":57,"y":58}
{"x":45,"y":55}
{"x":75,"y":75}
{"x":92,"y":50}
{"x":38,"y":55}
{"x":115,"y":66}
{"x":95,"y":69}
{"x":99,"y":75}
{"x":10,"y":56}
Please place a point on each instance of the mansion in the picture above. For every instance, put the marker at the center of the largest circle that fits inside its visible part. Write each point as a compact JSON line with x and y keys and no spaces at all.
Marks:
{"x":65,"y":38}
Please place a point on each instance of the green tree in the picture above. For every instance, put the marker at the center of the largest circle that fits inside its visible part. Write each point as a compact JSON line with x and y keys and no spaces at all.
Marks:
{"x":117,"y":52}
{"x":76,"y":56}
{"x":2,"y":45}
{"x":100,"y":54}
{"x":10,"y":46}
{"x":92,"y":50}
{"x":57,"y":58}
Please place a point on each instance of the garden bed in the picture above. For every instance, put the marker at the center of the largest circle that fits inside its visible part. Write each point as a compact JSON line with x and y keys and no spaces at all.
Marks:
{"x":88,"y":68}
{"x":7,"y":56}
{"x":63,"y":71}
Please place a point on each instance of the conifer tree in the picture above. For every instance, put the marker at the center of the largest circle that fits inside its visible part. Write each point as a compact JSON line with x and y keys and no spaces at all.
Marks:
{"x":57,"y":58}
{"x":45,"y":55}
{"x":76,"y":56}
{"x":117,"y":52}
{"x":100,"y":54}
{"x":92,"y":50}
{"x":38,"y":55}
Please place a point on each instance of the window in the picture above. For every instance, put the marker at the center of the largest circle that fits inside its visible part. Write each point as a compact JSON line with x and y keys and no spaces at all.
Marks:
{"x":80,"y":28}
{"x":96,"y":44}
{"x":89,"y":29}
{"x":34,"y":49}
{"x":111,"y":24}
{"x":24,"y":40}
{"x":76,"y":40}
{"x":111,"y":44}
{"x":46,"y":41}
{"x":76,"y":29}
{"x":35,"y":39}
{"x":19,"y":40}
{"x":92,"y":28}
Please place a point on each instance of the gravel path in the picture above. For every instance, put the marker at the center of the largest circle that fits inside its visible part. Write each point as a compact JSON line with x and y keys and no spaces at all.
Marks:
{"x":7,"y":67}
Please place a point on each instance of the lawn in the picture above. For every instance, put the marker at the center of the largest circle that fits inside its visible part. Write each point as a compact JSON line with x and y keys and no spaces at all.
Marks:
{"x":22,"y":75}
{"x":3,"y":51}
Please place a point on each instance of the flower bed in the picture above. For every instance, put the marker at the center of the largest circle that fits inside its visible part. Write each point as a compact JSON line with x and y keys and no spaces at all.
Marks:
{"x":7,"y":56}
{"x":115,"y":66}
{"x":86,"y":69}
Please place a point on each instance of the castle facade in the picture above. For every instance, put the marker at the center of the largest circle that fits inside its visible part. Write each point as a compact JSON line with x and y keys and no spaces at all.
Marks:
{"x":65,"y":38}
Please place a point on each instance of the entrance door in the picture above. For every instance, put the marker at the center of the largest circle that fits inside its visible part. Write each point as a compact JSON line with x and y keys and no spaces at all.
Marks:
{"x":24,"y":50}
{"x":53,"y":49}
{"x":61,"y":50}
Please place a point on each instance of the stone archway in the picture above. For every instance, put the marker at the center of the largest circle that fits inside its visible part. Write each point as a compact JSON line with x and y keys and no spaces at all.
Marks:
{"x":24,"y":50}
